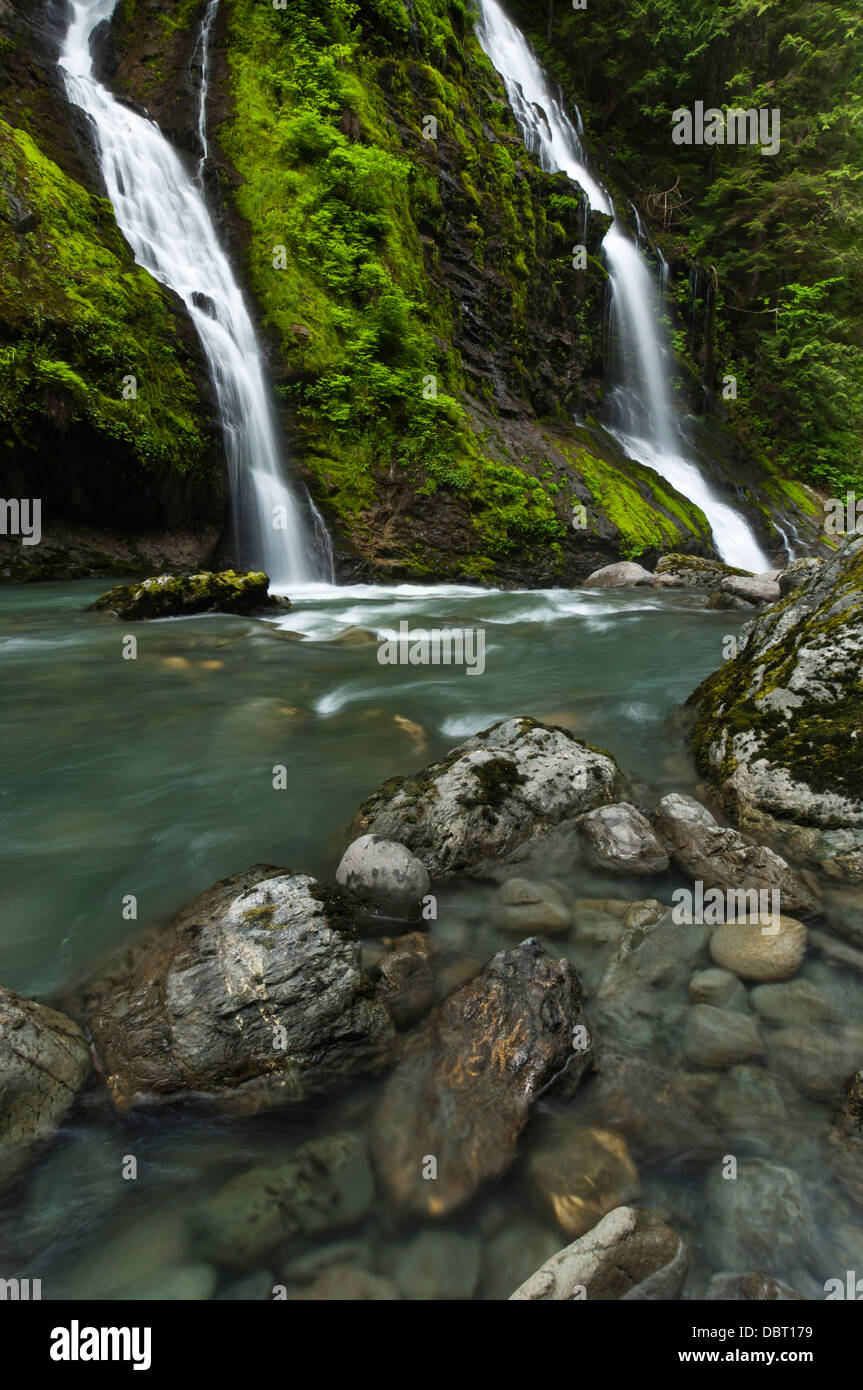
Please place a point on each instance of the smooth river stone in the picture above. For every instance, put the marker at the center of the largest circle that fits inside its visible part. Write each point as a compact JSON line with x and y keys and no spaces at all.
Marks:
{"x":522,"y":906}
{"x":581,"y":1175}
{"x":621,"y":840}
{"x":755,"y":950}
{"x":631,"y":1255}
{"x":462,"y":1093}
{"x":720,"y":1037}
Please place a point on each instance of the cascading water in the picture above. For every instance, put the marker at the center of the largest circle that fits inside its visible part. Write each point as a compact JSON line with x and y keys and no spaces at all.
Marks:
{"x":162,"y":214}
{"x":203,"y":47}
{"x":649,"y":433}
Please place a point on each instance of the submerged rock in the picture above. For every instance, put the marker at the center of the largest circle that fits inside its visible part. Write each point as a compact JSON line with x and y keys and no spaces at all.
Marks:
{"x":659,"y":1118}
{"x":620,"y":839}
{"x":44,"y":1063}
{"x":385,"y":876}
{"x":404,"y":978}
{"x":720,"y":857}
{"x":756,"y":1287}
{"x":630,"y":1255}
{"x":177,"y":595}
{"x":439,"y":1264}
{"x":463,"y":1091}
{"x":778,"y":728}
{"x":760,"y":948}
{"x":522,"y":906}
{"x":580,"y":1174}
{"x":492,"y":793}
{"x":253,"y":996}
{"x":720,"y":1037}
{"x":758,"y":1217}
{"x":326,"y":1184}
{"x":648,"y":974}
{"x":719,"y":987}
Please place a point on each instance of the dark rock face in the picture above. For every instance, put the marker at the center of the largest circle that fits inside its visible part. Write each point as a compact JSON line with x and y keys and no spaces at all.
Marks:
{"x":253,"y":997}
{"x":492,"y":793}
{"x":44,"y":1062}
{"x":176,"y":595}
{"x":464,"y":1088}
{"x":777,"y":729}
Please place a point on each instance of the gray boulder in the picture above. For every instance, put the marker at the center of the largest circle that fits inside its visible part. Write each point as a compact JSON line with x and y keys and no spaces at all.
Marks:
{"x":44,"y":1063}
{"x":514,"y":781}
{"x":757,"y":589}
{"x":253,"y":996}
{"x":623,"y":574}
{"x":385,"y":876}
{"x":629,"y":1256}
{"x":698,"y":573}
{"x":620,"y":839}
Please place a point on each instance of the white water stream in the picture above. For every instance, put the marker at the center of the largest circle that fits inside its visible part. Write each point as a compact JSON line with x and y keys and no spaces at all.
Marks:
{"x":162,"y":214}
{"x":651,"y":435}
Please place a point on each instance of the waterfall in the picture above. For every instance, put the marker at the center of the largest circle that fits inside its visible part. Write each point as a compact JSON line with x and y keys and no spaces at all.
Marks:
{"x":161,"y":212}
{"x":648,"y":430}
{"x":203,"y":47}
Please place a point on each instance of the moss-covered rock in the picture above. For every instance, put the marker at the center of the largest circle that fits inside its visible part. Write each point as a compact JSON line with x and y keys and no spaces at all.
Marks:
{"x":779,"y":729}
{"x":178,"y":595}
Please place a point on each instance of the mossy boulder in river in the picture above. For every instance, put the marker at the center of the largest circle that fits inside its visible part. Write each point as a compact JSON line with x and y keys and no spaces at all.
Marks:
{"x":779,"y":729}
{"x":178,"y":595}
{"x":253,"y":997}
{"x":502,"y":787}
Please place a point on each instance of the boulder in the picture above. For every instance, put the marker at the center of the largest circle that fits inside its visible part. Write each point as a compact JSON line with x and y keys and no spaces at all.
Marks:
{"x":385,"y":876}
{"x":463,"y":1091}
{"x":620,"y":840}
{"x":630,"y":1255}
{"x":719,"y":857}
{"x":522,"y":906}
{"x":514,"y":781}
{"x":720,"y":1037}
{"x":44,"y":1063}
{"x":697,"y":573}
{"x":579,"y":1173}
{"x":757,"y":589}
{"x":179,"y":595}
{"x":777,"y":729}
{"x":623,"y":574}
{"x":324,"y":1185}
{"x":253,"y":997}
{"x":798,"y":573}
{"x":760,"y":948}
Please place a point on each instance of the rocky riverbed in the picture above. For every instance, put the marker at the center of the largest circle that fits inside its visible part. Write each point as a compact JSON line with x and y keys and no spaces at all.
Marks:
{"x":539,"y":1028}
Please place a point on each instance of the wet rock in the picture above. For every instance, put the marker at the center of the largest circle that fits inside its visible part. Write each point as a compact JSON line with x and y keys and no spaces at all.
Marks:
{"x":818,"y":1063}
{"x":797,"y":574}
{"x":720,"y":1037}
{"x":719,"y":857}
{"x":758,"y":589}
{"x":623,"y":574}
{"x":756,"y":1287}
{"x":252,"y":996}
{"x":843,"y":909}
{"x":620,"y":840}
{"x":522,"y":906}
{"x":648,"y":973}
{"x":761,"y":948}
{"x":776,"y":729}
{"x":753,"y":1100}
{"x":797,"y":1002}
{"x":721,"y":988}
{"x":491,"y":794}
{"x":325,"y":1184}
{"x":850,"y":1118}
{"x":728,"y":603}
{"x":463,"y":1091}
{"x":385,"y":876}
{"x":177,"y":595}
{"x":645,"y":913}
{"x":343,"y":1284}
{"x":599,"y":920}
{"x":651,"y":1108}
{"x":758,"y":1218}
{"x":44,"y":1063}
{"x":628,"y":1256}
{"x":439,"y":1264}
{"x":580,"y":1174}
{"x":405,"y":980}
{"x":193,"y":1283}
{"x":513,"y":1254}
{"x":697,"y":573}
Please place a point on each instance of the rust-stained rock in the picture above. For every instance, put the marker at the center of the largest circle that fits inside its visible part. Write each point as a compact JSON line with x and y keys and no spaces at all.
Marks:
{"x":253,"y":996}
{"x":462,"y":1093}
{"x":580,"y":1175}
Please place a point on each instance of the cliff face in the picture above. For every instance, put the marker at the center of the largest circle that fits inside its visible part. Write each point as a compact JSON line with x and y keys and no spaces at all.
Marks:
{"x":411,"y":265}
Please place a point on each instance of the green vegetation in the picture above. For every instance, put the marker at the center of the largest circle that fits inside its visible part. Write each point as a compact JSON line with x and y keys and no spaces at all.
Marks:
{"x":780,"y":237}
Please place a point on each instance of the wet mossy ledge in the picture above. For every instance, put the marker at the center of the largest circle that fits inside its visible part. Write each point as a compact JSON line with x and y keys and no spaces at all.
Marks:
{"x":181,"y":595}
{"x":779,"y":729}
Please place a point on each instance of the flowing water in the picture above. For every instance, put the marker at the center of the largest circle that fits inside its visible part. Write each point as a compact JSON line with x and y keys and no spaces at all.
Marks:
{"x":648,"y":431}
{"x":154,"y":778}
{"x":161,"y":212}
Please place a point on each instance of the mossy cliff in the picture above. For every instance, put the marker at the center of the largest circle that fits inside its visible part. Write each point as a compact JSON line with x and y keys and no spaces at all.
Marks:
{"x":114,"y":475}
{"x":779,"y":729}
